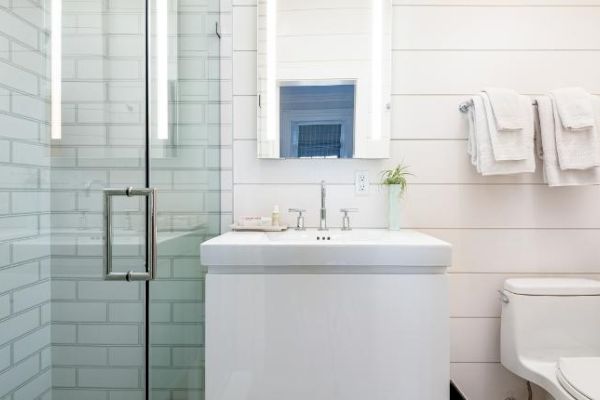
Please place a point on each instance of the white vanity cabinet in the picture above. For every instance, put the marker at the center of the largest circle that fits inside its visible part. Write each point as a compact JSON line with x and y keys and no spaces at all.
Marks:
{"x":327,"y":316}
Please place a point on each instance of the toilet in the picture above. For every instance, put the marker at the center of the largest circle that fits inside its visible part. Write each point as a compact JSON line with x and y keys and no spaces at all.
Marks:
{"x":550,"y":335}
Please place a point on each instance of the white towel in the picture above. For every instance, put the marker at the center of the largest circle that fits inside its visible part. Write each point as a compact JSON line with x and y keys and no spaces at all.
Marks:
{"x":576,"y":148}
{"x":508,"y":113}
{"x":553,"y":175}
{"x":574,"y":107}
{"x":480,"y":146}
{"x":511,"y":145}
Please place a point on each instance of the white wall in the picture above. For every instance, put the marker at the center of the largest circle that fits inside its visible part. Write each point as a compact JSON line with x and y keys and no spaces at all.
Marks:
{"x":500,"y":227}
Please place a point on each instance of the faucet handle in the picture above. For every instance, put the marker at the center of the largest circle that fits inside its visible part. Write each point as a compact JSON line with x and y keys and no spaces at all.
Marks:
{"x":300,"y":218}
{"x":346,"y":211}
{"x":346,"y":218}
{"x":297,"y":210}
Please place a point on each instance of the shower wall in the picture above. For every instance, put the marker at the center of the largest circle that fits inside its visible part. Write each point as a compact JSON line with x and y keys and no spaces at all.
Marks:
{"x":24,"y":204}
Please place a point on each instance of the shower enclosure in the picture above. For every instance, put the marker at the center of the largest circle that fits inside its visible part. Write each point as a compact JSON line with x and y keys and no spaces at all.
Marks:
{"x":109,"y":182}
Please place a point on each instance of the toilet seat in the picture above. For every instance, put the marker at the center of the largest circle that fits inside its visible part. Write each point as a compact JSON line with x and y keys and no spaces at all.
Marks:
{"x":579,"y":376}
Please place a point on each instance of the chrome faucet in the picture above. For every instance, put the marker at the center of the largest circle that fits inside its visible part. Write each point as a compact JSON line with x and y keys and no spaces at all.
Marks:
{"x":323,"y":213}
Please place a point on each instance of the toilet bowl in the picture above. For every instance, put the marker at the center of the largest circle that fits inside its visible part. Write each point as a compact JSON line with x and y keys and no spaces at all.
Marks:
{"x":550,"y":335}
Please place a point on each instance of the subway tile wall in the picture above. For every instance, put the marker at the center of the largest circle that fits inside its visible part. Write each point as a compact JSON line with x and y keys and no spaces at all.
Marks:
{"x":500,"y":227}
{"x":24,"y":204}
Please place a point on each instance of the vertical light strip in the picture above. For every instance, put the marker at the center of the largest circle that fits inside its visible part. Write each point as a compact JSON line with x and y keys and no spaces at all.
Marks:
{"x":56,"y":69}
{"x":271,"y":69}
{"x":376,"y":68}
{"x":162,"y":69}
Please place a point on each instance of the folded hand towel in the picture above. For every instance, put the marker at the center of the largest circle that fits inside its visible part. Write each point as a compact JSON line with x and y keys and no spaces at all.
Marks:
{"x":480,"y":146}
{"x":508,"y":114}
{"x":553,"y":174}
{"x":511,"y":145}
{"x":577,"y":149}
{"x":574,"y":107}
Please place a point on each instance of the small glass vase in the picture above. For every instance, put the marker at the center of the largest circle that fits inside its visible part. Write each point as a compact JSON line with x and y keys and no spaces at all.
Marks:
{"x":395,"y":214}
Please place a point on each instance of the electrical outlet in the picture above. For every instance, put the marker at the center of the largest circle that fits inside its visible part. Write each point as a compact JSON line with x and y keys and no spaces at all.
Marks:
{"x":361,"y":182}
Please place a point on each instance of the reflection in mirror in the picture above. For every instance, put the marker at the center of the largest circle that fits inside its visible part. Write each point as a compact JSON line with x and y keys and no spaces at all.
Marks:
{"x":324,"y":79}
{"x":317,"y":119}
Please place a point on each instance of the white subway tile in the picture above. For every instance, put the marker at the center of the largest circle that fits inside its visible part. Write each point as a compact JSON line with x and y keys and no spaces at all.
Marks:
{"x":126,"y":356}
{"x":63,"y":376}
{"x":174,"y":334}
{"x":34,"y":388}
{"x":31,"y":296}
{"x":17,"y":276}
{"x":78,"y":45}
{"x":126,"y":312}
{"x":188,"y":357}
{"x":32,"y":107}
{"x":124,"y":23}
{"x":108,"y":378}
{"x":19,"y":78}
{"x":31,"y":343}
{"x":188,"y":312}
{"x":108,"y":334}
{"x":29,"y":59}
{"x":18,"y":375}
{"x":78,"y":312}
{"x":168,"y":378}
{"x":83,"y":91}
{"x":18,"y":29}
{"x":63,"y":333}
{"x":178,"y":290}
{"x":79,"y":355}
{"x":18,"y":325}
{"x":18,"y":128}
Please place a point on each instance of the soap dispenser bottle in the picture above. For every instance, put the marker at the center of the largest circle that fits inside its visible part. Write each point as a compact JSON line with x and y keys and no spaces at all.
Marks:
{"x":275,"y":216}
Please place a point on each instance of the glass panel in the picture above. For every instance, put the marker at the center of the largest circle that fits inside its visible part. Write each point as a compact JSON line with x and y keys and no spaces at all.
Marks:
{"x":24,"y":204}
{"x":185,"y":168}
{"x":98,"y":331}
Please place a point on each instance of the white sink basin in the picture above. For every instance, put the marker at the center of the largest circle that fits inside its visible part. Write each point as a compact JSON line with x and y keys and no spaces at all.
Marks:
{"x":360,"y":247}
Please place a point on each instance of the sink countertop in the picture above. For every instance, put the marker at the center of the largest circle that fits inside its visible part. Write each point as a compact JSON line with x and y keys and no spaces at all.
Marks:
{"x":359,"y":247}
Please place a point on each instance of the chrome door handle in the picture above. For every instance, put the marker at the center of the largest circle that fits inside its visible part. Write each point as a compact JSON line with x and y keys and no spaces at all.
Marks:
{"x":151,"y":247}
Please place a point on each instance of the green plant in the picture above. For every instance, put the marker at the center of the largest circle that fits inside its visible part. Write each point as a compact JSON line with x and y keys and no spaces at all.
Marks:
{"x":396,"y":176}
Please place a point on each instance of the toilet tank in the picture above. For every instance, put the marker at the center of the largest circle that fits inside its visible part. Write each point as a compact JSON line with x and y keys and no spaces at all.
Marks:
{"x":544,"y":319}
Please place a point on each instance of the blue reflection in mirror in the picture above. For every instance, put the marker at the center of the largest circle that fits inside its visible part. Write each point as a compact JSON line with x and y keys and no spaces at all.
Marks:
{"x":317,"y":121}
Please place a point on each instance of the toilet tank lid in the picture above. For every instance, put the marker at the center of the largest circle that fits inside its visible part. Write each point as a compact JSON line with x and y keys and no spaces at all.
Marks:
{"x":553,"y":286}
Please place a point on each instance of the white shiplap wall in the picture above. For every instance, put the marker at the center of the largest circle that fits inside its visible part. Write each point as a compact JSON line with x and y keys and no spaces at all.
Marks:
{"x":443,"y":50}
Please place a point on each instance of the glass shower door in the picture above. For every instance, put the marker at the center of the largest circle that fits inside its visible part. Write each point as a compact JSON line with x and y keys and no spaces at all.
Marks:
{"x":124,"y":339}
{"x":185,"y":168}
{"x":97,"y":136}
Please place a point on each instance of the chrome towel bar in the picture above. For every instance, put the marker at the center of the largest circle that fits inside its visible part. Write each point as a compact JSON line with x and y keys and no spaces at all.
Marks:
{"x":464,"y":107}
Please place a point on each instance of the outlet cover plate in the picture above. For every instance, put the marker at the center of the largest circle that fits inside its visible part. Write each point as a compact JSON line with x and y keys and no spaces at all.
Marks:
{"x":361,"y":183}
